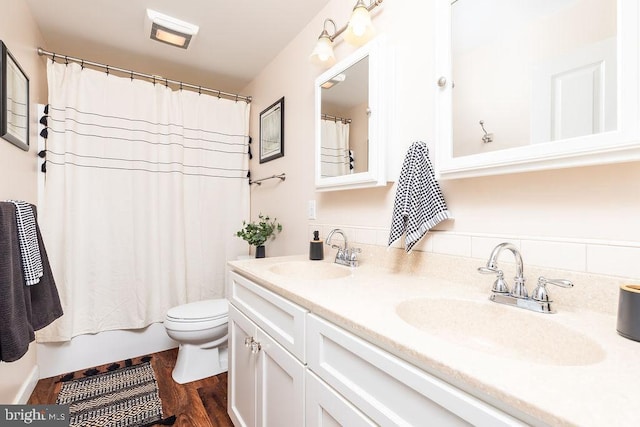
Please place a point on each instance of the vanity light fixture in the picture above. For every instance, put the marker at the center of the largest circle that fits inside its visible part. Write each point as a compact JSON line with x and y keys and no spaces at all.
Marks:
{"x":167,"y":29}
{"x":323,"y":52}
{"x":358,"y":31}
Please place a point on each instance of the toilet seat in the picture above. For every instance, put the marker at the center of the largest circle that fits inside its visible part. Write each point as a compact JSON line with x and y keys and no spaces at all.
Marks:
{"x":199,"y":311}
{"x":198,"y":315}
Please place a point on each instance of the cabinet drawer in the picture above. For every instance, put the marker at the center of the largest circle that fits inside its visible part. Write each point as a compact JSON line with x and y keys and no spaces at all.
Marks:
{"x":389,"y":390}
{"x":278,"y":317}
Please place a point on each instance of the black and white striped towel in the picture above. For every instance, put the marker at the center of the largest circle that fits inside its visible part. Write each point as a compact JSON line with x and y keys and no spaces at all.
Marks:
{"x":419,"y":203}
{"x":29,"y":249}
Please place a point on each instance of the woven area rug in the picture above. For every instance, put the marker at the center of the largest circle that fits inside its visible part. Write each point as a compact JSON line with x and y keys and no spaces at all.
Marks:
{"x":124,"y":397}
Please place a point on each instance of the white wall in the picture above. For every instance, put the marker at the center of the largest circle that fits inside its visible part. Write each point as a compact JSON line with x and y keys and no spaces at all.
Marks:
{"x":18,"y":168}
{"x":576,"y":219}
{"x":290,"y":74}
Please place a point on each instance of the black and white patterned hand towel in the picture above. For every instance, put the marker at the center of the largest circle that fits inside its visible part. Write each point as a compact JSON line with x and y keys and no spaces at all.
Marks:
{"x":29,"y":249}
{"x":419,"y":203}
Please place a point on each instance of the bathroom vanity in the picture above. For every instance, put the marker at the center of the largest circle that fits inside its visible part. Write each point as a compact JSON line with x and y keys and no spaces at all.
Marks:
{"x":313,"y":343}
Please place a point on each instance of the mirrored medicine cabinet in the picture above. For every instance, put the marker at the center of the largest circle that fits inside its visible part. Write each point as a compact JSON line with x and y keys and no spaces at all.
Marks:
{"x":532,"y":85}
{"x":351,"y":120}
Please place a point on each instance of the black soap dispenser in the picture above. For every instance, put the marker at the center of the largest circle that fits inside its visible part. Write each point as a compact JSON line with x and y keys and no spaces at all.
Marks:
{"x":316,"y":248}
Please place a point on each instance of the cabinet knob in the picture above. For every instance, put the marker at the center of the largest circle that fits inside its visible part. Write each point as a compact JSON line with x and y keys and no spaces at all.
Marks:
{"x":442,"y":81}
{"x":248,"y":341}
{"x":255,"y":347}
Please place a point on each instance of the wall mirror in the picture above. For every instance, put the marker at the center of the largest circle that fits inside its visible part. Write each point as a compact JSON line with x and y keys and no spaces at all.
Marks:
{"x":527,"y":85}
{"x":350,"y":121}
{"x":14,"y":100}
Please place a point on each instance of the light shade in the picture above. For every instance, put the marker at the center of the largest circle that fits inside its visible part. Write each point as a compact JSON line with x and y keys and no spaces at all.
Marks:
{"x":323,"y":52}
{"x":167,"y":29}
{"x":360,"y":29}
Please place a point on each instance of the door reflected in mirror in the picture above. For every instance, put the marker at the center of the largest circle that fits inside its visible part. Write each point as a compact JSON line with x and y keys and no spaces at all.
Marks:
{"x":532,"y":71}
{"x":344,"y":124}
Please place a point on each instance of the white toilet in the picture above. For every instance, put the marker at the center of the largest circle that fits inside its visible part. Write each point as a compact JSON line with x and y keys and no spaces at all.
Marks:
{"x":201,"y":329}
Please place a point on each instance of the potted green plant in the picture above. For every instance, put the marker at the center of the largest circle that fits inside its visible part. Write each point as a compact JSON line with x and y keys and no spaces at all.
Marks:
{"x":257,"y":233}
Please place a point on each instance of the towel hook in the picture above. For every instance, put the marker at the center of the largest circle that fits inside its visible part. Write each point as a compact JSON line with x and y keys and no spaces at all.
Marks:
{"x":487,"y":137}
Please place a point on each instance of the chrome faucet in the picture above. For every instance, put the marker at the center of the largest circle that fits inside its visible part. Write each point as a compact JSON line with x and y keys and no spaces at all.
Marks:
{"x":518,"y":297}
{"x":345,"y":255}
{"x":519,"y":289}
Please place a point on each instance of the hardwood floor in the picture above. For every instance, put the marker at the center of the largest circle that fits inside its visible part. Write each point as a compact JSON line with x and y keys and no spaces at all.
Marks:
{"x":200,"y":403}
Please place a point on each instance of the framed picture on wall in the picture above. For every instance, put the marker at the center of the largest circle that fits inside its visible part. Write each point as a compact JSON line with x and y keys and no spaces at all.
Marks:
{"x":272,"y":131}
{"x":14,"y":100}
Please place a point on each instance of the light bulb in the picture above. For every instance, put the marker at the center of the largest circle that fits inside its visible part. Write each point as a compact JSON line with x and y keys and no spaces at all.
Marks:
{"x":360,"y":20}
{"x":360,"y":29}
{"x":323,"y":52}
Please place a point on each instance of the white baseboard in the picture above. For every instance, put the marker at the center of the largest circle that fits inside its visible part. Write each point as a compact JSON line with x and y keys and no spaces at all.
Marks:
{"x":87,"y":351}
{"x":27,"y":388}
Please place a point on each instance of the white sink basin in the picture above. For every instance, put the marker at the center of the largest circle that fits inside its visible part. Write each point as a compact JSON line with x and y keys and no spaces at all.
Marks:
{"x":501,"y":331}
{"x":310,"y":270}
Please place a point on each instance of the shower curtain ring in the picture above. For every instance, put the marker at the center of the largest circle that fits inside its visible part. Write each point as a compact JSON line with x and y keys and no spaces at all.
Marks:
{"x":53,"y":60}
{"x":66,"y":60}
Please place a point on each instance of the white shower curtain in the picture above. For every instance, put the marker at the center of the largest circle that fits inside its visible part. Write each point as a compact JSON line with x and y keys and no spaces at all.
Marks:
{"x":334,"y":153}
{"x":144,"y":190}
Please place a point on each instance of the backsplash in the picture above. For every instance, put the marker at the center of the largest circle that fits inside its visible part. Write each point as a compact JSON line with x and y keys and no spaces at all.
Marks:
{"x":597,"y":268}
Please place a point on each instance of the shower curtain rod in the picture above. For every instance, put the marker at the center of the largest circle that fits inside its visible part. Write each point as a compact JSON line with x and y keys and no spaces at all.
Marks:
{"x":335,"y":118}
{"x":154,"y":79}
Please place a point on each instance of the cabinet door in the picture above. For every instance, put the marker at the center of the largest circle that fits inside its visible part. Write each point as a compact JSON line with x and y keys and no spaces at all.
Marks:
{"x":280,"y":394}
{"x":324,"y":407}
{"x":241,"y":404}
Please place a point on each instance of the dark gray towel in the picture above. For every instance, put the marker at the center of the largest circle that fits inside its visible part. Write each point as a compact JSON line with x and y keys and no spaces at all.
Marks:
{"x":23,"y":309}
{"x":419,"y":203}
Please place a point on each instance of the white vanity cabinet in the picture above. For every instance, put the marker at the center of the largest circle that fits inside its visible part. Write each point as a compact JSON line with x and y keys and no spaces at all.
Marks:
{"x":288,"y":367}
{"x":266,"y":378}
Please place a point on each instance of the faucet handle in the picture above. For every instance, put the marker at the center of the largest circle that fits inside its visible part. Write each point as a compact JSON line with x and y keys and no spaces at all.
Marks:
{"x":540,"y":292}
{"x":500,"y":286}
{"x":353,"y":256}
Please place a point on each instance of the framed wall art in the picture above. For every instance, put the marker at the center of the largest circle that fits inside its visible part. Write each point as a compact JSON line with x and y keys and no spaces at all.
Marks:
{"x":14,"y":100}
{"x":272,"y":131}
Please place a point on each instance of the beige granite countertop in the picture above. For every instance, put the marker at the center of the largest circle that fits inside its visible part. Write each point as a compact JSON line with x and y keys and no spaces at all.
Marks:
{"x":533,"y":381}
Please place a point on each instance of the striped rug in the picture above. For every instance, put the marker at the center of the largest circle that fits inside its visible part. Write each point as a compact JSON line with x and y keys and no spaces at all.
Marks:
{"x":123,"y":397}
